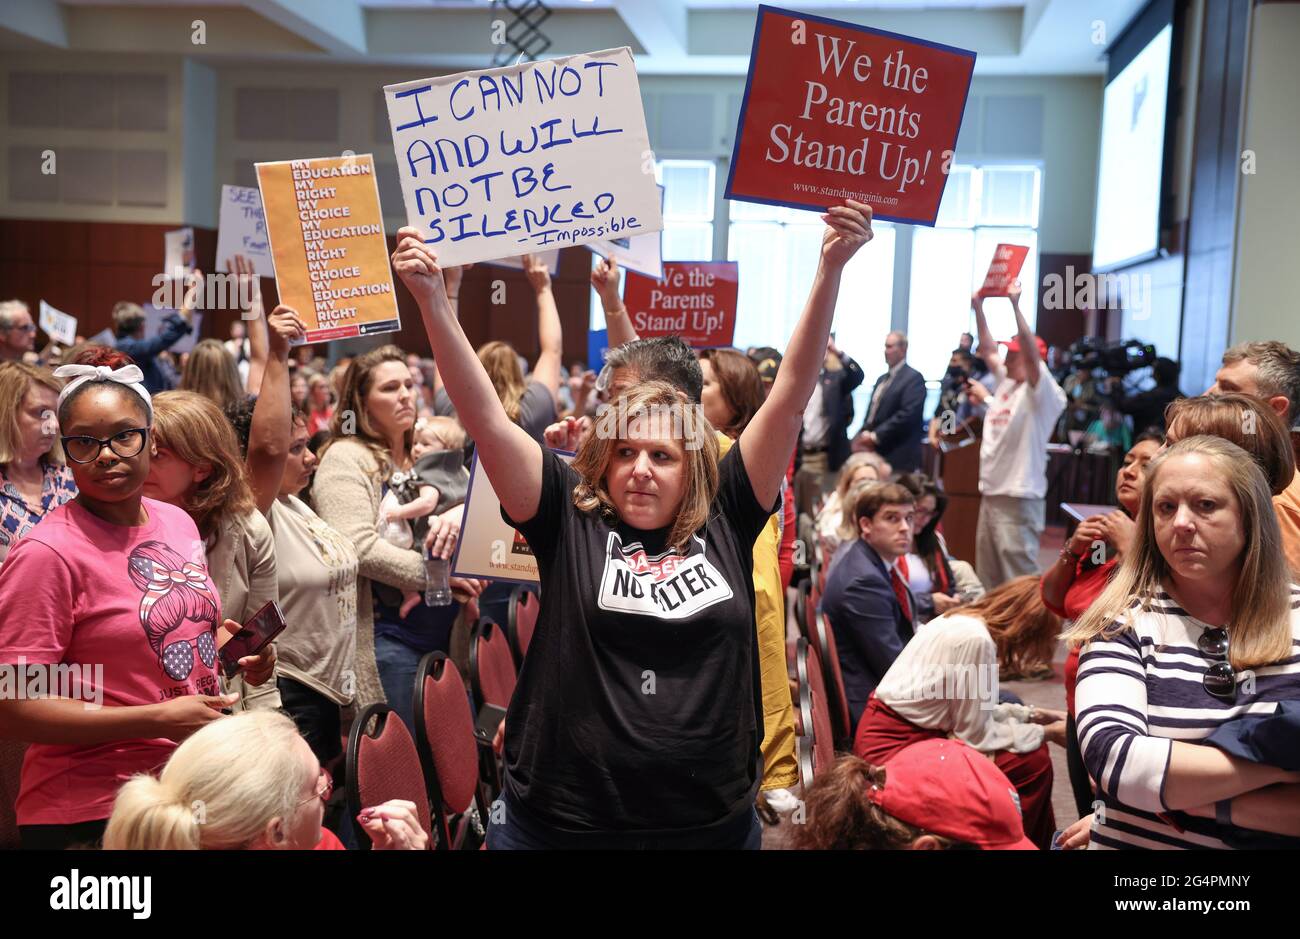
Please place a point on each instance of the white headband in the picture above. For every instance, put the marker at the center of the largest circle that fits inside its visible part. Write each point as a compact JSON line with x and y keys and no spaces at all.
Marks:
{"x":128,"y":375}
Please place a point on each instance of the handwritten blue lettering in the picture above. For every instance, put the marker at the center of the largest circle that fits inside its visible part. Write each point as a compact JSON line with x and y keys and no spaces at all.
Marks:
{"x":418,"y":109}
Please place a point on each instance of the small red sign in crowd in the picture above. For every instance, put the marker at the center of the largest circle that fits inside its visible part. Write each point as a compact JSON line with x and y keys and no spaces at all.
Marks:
{"x":695,"y":300}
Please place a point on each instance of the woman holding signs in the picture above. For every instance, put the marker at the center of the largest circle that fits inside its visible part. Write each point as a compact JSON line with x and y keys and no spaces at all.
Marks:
{"x":636,"y":722}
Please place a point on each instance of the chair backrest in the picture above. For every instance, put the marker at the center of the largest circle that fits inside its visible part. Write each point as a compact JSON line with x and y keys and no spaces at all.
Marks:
{"x":383,"y":764}
{"x":823,"y":748}
{"x":491,"y":666}
{"x":838,"y":702}
{"x":444,"y":737}
{"x":11,"y":770}
{"x":801,"y":606}
{"x":522,"y":620}
{"x":803,"y":712}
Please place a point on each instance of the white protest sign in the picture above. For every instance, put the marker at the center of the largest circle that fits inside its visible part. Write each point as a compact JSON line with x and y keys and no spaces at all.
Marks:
{"x":104,"y":337}
{"x":58,"y":325}
{"x":501,"y":162}
{"x":178,"y":251}
{"x":488,"y":547}
{"x":550,"y":258}
{"x":243,"y":230}
{"x":153,"y":325}
{"x":640,"y":253}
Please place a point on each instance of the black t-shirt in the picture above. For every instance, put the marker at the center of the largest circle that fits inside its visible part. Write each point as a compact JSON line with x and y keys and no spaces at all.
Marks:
{"x":639,"y":704}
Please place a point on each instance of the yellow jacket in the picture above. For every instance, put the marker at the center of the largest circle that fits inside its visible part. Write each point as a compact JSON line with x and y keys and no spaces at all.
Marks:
{"x":780,"y":768}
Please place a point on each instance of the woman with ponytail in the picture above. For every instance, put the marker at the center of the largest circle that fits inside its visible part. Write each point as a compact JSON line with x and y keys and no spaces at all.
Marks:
{"x":113,"y":589}
{"x":250,"y":782}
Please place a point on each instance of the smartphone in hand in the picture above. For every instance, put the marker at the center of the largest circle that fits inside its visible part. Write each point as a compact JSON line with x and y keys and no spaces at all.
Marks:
{"x":256,"y":634}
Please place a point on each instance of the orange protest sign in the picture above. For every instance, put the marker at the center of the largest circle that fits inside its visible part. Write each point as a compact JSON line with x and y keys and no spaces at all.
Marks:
{"x":327,"y":240}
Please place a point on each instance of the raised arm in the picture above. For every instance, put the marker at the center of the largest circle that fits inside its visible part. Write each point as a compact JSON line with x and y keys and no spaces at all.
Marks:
{"x":604,"y":278}
{"x":512,"y":459}
{"x":549,"y":332}
{"x":986,"y":347}
{"x":1028,"y":341}
{"x":271,"y":431}
{"x":768,"y":441}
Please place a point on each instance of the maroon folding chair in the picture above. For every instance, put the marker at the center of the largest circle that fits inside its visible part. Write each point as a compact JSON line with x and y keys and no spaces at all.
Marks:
{"x":521,"y":621}
{"x":803,"y":713}
{"x":833,"y":678}
{"x":449,"y":751}
{"x":801,"y":606}
{"x":823,"y":740}
{"x":491,"y":665}
{"x":383,"y":764}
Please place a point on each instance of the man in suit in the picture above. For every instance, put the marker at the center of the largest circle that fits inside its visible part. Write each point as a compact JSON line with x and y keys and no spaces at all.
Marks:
{"x":824,"y":441}
{"x":894,"y":425}
{"x":867,"y":600}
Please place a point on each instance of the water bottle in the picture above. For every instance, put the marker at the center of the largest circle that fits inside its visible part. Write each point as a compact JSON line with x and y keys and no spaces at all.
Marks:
{"x":437,"y":587}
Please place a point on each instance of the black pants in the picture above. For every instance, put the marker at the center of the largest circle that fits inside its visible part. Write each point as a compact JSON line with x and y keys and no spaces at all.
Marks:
{"x":1080,"y":783}
{"x":316,"y":716}
{"x":62,"y":837}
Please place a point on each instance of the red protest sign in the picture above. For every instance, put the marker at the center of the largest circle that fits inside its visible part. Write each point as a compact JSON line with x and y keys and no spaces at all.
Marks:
{"x":1003,"y":269}
{"x":835,"y":111}
{"x":695,"y":300}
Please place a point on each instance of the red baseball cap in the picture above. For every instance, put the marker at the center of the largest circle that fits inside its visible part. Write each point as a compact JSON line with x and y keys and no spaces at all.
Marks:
{"x":1013,"y":345}
{"x":946,"y":788}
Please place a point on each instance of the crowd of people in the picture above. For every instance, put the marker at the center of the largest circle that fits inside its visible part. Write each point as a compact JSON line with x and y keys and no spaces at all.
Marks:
{"x":152,"y":502}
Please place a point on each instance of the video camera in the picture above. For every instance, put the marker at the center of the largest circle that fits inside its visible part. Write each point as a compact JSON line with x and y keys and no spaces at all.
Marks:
{"x":1114,"y":358}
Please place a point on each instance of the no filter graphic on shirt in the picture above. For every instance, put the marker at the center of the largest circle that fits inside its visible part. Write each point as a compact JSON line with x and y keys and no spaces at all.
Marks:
{"x":668,"y":586}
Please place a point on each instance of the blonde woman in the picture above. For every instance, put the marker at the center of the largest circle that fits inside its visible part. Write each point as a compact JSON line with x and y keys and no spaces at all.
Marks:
{"x":834,"y":523}
{"x":637,"y":718}
{"x":1198,"y":626}
{"x":200,"y":469}
{"x":210,"y":370}
{"x":247,"y":782}
{"x":33,"y":478}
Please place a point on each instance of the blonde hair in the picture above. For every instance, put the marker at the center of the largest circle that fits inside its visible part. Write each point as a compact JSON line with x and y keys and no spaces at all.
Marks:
{"x":16,"y":379}
{"x":1260,"y":625}
{"x":594,"y":455}
{"x":501,"y":363}
{"x":219,"y":791}
{"x":446,"y":430}
{"x":210,"y":370}
{"x":196,"y":429}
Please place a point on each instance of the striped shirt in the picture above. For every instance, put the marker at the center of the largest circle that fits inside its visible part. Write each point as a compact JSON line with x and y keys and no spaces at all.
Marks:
{"x":1139,"y":691}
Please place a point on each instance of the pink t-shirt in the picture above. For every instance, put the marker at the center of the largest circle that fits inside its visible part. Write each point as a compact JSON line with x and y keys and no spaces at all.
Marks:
{"x":134,"y":610}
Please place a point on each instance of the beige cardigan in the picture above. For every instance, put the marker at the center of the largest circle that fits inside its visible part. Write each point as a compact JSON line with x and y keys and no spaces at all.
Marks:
{"x":346,"y":495}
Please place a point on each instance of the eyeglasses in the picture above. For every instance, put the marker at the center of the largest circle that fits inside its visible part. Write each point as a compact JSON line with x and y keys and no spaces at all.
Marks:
{"x":178,"y":657}
{"x":1220,"y":679}
{"x":25,"y":328}
{"x":324,"y":788}
{"x":126,"y":444}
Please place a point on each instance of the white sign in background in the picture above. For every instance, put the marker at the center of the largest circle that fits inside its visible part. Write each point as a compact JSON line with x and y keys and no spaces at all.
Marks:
{"x":178,"y":251}
{"x":501,"y":162}
{"x":243,"y":230}
{"x":58,"y":325}
{"x":550,"y":258}
{"x":640,"y":253}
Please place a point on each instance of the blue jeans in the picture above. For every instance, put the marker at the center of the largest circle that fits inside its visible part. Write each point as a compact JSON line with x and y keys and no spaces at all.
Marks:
{"x":397,"y":663}
{"x":514,"y":833}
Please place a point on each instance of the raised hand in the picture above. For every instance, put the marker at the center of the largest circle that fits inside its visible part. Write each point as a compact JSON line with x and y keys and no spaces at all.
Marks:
{"x":1013,"y":293}
{"x":193,"y":293}
{"x":286,"y":327}
{"x":537,"y":273}
{"x":452,"y":276}
{"x":416,"y":265}
{"x":604,"y":278}
{"x":849,"y":229}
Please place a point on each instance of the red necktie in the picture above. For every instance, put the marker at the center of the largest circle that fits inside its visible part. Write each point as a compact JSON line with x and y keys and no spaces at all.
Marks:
{"x":900,"y":588}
